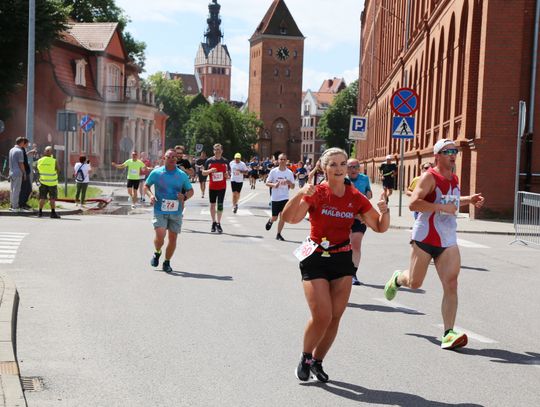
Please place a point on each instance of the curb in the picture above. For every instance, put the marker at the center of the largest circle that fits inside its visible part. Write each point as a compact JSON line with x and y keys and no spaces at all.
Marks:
{"x":45,"y":213}
{"x":10,"y":381}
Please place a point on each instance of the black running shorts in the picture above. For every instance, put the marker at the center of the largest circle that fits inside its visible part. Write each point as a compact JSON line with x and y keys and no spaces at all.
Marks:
{"x":358,"y":227}
{"x":277,"y":207}
{"x":336,"y":266}
{"x":133,"y":183}
{"x":236,"y":186}
{"x":217,"y":195}
{"x":433,"y":251}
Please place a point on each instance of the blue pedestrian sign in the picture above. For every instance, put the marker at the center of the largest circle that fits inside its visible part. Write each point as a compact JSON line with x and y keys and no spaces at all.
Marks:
{"x":404,"y":102}
{"x":358,"y":128}
{"x":87,"y":123}
{"x":403,"y":127}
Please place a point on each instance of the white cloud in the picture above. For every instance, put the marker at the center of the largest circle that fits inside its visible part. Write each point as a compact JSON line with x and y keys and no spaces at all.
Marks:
{"x":239,"y":84}
{"x":170,"y":63}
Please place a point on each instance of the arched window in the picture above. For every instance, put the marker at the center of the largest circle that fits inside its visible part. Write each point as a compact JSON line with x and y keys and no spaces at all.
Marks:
{"x":449,"y":71}
{"x":462,"y":41}
{"x":438,"y":93}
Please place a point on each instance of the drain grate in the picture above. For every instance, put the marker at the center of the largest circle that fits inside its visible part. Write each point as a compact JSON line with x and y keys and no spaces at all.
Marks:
{"x":32,"y":383}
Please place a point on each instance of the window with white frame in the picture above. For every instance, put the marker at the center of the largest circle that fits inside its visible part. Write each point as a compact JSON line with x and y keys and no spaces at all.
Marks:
{"x":84,"y":142}
{"x":73,"y":141}
{"x":94,"y":139}
{"x":80,"y":72}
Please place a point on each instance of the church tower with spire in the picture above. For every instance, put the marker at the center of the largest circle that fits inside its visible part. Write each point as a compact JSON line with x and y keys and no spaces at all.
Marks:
{"x":275,"y":81}
{"x":213,"y":62}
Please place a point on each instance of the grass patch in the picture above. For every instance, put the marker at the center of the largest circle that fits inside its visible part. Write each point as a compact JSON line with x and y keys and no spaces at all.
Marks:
{"x":91,"y":192}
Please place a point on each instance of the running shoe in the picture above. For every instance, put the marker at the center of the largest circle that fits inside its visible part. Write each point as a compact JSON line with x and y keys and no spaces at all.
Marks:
{"x":167,"y":266}
{"x":54,"y":215}
{"x":40,"y":214}
{"x":454,"y":340}
{"x":214,"y":227}
{"x":268,"y":225}
{"x":303,"y":370}
{"x":391,"y":289}
{"x":279,"y":237}
{"x":317,"y":370}
{"x":235,"y":209}
{"x":155,"y":259}
{"x":355,"y":281}
{"x":218,"y":227}
{"x":133,"y":206}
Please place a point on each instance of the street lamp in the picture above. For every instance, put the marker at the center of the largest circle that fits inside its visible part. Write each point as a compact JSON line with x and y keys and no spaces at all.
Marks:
{"x":31,"y":71}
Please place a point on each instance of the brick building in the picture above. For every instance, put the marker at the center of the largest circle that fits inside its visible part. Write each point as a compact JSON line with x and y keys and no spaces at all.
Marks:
{"x":470,"y":62}
{"x":275,"y":81}
{"x":314,"y":104}
{"x":87,"y":71}
{"x":213,"y":62}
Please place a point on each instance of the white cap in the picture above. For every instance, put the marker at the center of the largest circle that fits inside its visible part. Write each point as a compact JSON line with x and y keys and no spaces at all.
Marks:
{"x":388,"y":157}
{"x":439,"y":145}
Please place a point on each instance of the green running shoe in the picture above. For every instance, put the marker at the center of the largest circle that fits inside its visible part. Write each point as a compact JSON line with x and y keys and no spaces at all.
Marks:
{"x":454,"y":340}
{"x":391,"y":289}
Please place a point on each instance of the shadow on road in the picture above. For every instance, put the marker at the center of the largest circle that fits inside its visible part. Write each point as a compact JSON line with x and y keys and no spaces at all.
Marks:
{"x":384,"y":308}
{"x":473,"y":268}
{"x":224,"y":234}
{"x":365,"y":395}
{"x":496,"y":355}
{"x":185,"y":274}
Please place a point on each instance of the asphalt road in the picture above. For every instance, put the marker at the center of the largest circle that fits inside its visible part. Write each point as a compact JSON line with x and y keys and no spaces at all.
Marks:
{"x":103,"y":328}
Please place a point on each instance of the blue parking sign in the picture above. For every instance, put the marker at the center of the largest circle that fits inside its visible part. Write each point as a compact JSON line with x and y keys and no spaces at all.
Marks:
{"x":358,"y":128}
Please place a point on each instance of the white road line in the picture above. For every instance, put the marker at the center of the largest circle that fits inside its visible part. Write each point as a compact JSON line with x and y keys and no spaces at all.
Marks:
{"x":254,"y":239}
{"x":7,"y":256}
{"x":470,"y":334}
{"x":9,"y":245}
{"x":472,"y":245}
{"x":7,"y":251}
{"x":396,"y":305}
{"x":13,"y":234}
{"x":248,"y":198}
{"x":11,"y":239}
{"x":6,"y":261}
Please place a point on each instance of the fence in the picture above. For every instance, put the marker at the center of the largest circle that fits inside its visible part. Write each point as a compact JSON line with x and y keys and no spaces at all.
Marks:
{"x":527,"y":218}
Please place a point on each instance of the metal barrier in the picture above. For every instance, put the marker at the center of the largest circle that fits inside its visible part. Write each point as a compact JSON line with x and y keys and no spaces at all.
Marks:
{"x":527,"y":218}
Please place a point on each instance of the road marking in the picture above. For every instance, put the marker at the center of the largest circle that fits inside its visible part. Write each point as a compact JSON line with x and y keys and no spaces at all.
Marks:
{"x":9,"y":244}
{"x":241,"y":212}
{"x":7,"y":256}
{"x":470,"y":334}
{"x":397,"y":305}
{"x":13,"y":234}
{"x":472,"y":245}
{"x":248,"y":198}
{"x":7,"y":251}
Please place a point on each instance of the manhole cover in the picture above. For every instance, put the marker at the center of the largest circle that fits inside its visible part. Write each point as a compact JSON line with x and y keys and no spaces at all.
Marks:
{"x":33,"y":383}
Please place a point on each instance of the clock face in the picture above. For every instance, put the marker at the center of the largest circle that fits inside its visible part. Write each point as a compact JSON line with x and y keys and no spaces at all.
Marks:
{"x":283,"y":53}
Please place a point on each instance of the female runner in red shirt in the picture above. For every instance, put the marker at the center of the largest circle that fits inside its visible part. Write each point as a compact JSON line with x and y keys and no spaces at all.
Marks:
{"x":327,"y":272}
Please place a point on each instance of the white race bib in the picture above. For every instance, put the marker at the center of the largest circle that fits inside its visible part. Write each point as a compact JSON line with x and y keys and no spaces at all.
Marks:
{"x":134,"y":172}
{"x":170,"y":205}
{"x":237,"y":172}
{"x":305,"y":250}
{"x":217,"y":176}
{"x":450,"y":199}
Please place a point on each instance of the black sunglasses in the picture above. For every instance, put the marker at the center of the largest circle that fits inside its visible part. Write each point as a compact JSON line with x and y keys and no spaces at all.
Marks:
{"x":450,"y":151}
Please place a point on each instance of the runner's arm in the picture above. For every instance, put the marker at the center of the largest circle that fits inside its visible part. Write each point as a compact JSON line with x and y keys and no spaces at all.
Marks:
{"x":475,"y":199}
{"x":148,"y":192}
{"x":296,"y":209}
{"x":379,"y":221}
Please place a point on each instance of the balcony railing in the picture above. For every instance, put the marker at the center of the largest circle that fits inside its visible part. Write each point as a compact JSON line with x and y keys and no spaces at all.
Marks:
{"x":129,"y":94}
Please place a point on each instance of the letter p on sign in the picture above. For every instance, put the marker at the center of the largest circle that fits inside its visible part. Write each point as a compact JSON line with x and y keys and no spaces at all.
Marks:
{"x":358,"y":128}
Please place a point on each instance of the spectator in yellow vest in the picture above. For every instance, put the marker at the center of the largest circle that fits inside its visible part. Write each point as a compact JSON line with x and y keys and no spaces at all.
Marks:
{"x":48,"y":178}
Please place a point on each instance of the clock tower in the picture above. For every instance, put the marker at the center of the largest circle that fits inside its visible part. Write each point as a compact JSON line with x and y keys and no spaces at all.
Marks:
{"x":275,"y":81}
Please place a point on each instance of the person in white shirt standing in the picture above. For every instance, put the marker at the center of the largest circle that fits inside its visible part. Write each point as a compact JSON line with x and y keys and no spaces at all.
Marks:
{"x":238,"y":169}
{"x":81,"y":172}
{"x":280,"y":179}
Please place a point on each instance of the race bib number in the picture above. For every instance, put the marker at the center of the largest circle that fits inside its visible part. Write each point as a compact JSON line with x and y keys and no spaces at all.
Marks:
{"x":134,"y":172}
{"x":217,"y":176}
{"x":305,"y":250}
{"x":450,"y":199}
{"x":170,"y":205}
{"x":237,"y":172}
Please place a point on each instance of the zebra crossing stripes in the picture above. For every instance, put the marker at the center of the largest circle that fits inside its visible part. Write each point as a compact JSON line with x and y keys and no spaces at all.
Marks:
{"x":9,"y":244}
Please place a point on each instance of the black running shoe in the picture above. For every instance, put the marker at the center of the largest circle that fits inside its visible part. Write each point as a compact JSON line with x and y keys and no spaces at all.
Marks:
{"x":317,"y":370}
{"x":279,"y":237}
{"x":54,"y":215}
{"x":235,"y":209}
{"x":303,"y":370}
{"x":214,"y":227}
{"x":155,"y":259}
{"x":218,"y":227}
{"x":167,"y":266}
{"x":268,"y":225}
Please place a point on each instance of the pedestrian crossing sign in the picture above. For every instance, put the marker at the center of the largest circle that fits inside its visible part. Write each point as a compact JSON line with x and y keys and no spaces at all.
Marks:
{"x":403,"y":127}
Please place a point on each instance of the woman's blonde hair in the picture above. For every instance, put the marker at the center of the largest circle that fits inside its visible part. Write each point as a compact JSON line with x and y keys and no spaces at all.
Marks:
{"x":325,"y":157}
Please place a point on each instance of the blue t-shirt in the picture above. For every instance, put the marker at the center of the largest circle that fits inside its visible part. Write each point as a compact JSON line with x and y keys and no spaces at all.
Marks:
{"x":362,"y":183}
{"x":168,"y":184}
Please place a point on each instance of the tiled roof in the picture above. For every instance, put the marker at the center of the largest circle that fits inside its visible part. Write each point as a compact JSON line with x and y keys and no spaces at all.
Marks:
{"x":335,"y":85}
{"x":190,"y":82}
{"x":278,"y":20}
{"x":93,"y":36}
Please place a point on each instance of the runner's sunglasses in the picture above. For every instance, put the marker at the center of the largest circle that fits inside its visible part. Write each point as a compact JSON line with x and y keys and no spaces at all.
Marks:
{"x":450,"y":151}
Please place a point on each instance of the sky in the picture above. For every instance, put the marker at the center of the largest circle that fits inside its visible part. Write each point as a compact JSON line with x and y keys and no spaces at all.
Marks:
{"x":173,"y":29}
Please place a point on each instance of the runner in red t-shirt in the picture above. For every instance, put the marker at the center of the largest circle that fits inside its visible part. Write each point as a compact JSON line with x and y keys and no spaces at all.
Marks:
{"x":217,"y":167}
{"x":326,"y":258}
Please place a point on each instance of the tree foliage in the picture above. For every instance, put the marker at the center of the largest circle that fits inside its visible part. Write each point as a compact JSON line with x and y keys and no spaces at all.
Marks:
{"x":171,"y":94}
{"x":224,"y":124}
{"x":334,"y":124}
{"x":51,"y":17}
{"x":102,"y":11}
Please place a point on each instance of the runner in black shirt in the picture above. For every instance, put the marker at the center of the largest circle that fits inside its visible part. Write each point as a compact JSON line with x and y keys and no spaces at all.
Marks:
{"x":181,"y":162}
{"x":388,"y":172}
{"x":199,"y":167}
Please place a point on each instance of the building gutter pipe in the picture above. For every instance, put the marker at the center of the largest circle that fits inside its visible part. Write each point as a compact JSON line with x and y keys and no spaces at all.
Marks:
{"x":529,"y":138}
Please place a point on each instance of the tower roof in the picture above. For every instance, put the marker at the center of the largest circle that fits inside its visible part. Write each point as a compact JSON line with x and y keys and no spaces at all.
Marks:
{"x":213,"y":32}
{"x":278,"y":21}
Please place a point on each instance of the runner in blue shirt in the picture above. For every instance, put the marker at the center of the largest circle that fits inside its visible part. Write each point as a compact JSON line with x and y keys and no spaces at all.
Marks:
{"x":171,"y":189}
{"x":361,"y":182}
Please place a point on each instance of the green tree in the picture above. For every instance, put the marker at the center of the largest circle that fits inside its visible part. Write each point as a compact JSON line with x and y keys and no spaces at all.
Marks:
{"x":334,"y":124}
{"x":51,"y":17}
{"x":171,"y":94}
{"x":224,"y":124}
{"x":102,"y":11}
